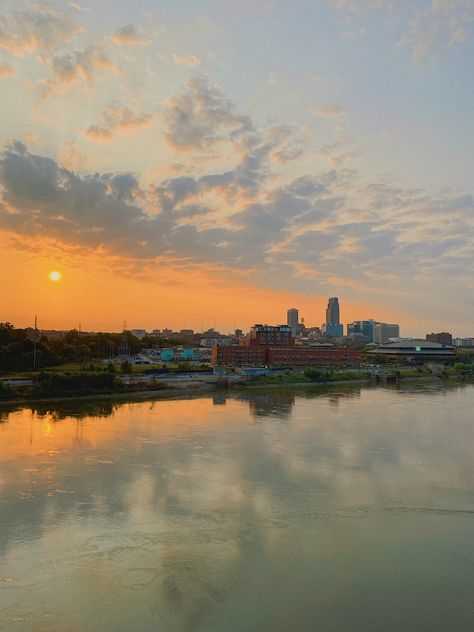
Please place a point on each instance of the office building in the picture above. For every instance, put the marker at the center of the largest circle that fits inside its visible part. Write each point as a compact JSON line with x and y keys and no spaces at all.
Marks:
{"x":292,"y":320}
{"x":332,"y":330}
{"x":332,"y":312}
{"x":383,"y":332}
{"x":269,"y":336}
{"x":464,"y":343}
{"x":364,"y":327}
{"x":443,"y":338}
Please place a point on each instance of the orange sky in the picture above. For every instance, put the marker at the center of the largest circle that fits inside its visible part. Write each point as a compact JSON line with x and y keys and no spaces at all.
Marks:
{"x":179,"y":174}
{"x":100,"y":297}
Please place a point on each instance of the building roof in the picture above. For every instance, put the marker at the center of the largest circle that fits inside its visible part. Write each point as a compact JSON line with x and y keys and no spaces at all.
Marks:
{"x":412,"y":344}
{"x":419,"y":347}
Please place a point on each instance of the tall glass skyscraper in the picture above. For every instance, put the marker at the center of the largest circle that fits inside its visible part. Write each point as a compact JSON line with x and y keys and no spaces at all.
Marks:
{"x":332,"y":312}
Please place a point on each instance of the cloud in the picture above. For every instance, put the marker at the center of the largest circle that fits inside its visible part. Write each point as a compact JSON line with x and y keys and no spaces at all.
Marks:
{"x":441,"y":27}
{"x":77,"y":7}
{"x":129,"y":35}
{"x":186,"y":60}
{"x":121,"y":117}
{"x":98,"y":133}
{"x":42,"y":28}
{"x":79,"y":67}
{"x":71,"y":158}
{"x":330,"y":111}
{"x":313,"y":229}
{"x":202,"y":117}
{"x":117,"y":117}
{"x":358,"y":5}
{"x":246,"y":216}
{"x":6,"y":70}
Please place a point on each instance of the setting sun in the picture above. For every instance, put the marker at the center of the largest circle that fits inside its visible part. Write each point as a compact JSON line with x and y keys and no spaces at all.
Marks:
{"x":55,"y":276}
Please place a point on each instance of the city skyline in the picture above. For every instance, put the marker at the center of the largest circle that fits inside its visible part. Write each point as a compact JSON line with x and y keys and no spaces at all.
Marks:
{"x":185,"y":165}
{"x":380,"y":331}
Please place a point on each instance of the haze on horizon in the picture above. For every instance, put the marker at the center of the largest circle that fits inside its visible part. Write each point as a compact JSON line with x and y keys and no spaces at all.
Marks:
{"x":180,"y":163}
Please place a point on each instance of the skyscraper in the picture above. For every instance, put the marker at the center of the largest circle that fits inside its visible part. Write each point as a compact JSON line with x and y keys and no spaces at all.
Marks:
{"x":332,"y":328}
{"x":332,"y":312}
{"x":292,"y":320}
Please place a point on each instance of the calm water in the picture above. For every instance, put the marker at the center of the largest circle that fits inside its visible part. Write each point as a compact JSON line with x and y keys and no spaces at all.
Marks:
{"x":321,"y":511}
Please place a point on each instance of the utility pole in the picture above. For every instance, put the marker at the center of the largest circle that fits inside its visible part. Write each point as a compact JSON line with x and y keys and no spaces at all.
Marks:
{"x":35,"y":343}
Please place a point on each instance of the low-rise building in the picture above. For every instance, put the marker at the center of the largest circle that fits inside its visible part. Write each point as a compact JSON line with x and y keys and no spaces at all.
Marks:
{"x":464,"y":343}
{"x":415,"y":352}
{"x":238,"y":355}
{"x":284,"y":356}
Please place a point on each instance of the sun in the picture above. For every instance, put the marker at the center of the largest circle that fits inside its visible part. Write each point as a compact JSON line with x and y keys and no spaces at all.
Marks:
{"x":55,"y":276}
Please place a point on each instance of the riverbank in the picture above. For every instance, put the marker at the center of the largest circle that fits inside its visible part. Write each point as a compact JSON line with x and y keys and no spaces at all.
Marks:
{"x":196,"y":389}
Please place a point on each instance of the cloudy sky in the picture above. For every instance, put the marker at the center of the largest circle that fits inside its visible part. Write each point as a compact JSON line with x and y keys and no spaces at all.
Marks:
{"x":218,"y":161}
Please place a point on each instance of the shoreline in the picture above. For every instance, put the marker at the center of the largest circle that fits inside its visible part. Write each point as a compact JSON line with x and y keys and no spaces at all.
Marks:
{"x":202,"y":388}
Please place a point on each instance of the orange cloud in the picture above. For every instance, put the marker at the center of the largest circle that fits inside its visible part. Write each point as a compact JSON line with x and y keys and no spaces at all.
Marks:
{"x":6,"y":70}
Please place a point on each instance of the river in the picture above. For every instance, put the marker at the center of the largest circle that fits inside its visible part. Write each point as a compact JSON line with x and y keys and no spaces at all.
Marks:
{"x":332,"y":509}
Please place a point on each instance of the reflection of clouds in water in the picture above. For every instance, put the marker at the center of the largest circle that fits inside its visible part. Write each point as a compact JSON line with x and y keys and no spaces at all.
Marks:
{"x":178,"y":502}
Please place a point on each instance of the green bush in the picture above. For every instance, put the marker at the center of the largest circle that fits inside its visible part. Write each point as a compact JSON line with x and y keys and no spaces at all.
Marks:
{"x":126,"y":367}
{"x":5,"y":391}
{"x":50,"y":384}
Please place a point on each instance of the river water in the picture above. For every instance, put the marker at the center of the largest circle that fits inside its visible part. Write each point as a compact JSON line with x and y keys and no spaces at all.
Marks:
{"x":319,"y":510}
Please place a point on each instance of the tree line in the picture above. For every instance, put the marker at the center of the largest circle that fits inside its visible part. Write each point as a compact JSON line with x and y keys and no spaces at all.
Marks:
{"x":17,"y":347}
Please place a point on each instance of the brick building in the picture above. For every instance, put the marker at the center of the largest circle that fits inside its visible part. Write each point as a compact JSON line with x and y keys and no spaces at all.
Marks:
{"x":443,"y":338}
{"x":238,"y":355}
{"x":311,"y":356}
{"x":284,"y":356}
{"x":268,"y":336}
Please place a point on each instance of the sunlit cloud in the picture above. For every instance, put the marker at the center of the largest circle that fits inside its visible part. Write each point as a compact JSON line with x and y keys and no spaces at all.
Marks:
{"x":82,"y":68}
{"x":186,"y":60}
{"x":6,"y":70}
{"x":129,"y":35}
{"x":429,"y":31}
{"x":117,"y":118}
{"x":443,"y":26}
{"x":42,"y":27}
{"x":330,"y":111}
{"x":201,"y":117}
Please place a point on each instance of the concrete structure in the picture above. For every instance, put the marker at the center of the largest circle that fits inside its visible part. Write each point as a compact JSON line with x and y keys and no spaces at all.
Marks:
{"x":384,"y":331}
{"x":415,"y":352}
{"x":292,"y":320}
{"x":443,"y":338}
{"x":283,"y":356}
{"x":332,"y":312}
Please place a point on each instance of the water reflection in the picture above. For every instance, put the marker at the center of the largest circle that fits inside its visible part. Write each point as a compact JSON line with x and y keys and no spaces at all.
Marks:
{"x":355,"y":513}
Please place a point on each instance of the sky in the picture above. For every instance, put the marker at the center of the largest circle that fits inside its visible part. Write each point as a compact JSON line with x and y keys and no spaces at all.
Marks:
{"x":215,"y":162}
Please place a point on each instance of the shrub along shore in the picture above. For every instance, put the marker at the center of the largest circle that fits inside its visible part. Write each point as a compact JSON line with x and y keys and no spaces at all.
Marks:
{"x":103,"y":383}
